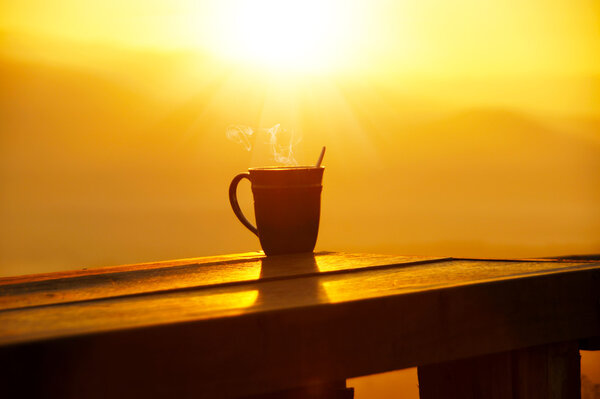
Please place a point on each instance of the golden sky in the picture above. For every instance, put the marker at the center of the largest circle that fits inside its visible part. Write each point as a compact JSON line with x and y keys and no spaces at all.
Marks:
{"x":464,"y":37}
{"x":487,"y":111}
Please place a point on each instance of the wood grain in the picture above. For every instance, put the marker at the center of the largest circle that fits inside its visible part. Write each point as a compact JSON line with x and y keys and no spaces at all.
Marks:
{"x":60,"y":320}
{"x":540,"y":372}
{"x":276,"y":333}
{"x":123,"y":268}
{"x":153,"y":278}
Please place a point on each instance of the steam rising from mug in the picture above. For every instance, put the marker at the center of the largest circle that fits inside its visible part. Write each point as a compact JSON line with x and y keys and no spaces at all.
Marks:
{"x":280,"y":141}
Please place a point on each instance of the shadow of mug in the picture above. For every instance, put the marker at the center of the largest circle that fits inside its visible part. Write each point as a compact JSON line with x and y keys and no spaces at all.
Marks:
{"x":287,"y":207}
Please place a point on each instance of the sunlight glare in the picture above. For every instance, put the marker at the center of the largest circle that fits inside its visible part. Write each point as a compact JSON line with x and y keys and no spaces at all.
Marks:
{"x":293,"y":35}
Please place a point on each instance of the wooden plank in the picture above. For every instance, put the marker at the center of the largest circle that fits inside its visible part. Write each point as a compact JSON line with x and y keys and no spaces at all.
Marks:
{"x":488,"y":376}
{"x":219,"y":301}
{"x":541,"y":372}
{"x":262,"y":337}
{"x":28,"y":278}
{"x":160,"y":277}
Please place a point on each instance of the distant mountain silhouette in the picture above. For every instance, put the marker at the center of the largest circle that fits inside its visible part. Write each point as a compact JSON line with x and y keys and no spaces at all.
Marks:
{"x":494,"y":134}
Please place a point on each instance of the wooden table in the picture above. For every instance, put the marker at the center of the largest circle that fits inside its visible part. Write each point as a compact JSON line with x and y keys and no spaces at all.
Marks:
{"x":244,"y":325}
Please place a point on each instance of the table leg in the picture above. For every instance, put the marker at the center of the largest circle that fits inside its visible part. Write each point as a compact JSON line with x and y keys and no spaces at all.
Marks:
{"x":547,"y":371}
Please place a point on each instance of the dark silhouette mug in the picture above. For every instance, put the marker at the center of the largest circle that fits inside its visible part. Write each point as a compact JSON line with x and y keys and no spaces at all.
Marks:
{"x":287,"y":207}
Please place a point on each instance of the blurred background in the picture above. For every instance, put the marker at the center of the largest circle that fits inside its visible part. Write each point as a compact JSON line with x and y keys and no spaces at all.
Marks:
{"x":460,"y":128}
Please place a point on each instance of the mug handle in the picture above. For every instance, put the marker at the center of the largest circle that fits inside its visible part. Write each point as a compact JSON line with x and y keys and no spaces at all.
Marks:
{"x":234,"y":202}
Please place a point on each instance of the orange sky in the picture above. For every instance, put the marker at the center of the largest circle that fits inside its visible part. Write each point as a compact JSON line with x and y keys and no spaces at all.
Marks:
{"x":492,"y":105}
{"x":462,"y":128}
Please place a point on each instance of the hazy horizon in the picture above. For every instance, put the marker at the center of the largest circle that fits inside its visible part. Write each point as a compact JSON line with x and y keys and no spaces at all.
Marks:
{"x":145,"y":150}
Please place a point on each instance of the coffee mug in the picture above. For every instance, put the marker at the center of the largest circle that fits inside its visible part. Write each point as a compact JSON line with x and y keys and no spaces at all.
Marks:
{"x":287,"y":207}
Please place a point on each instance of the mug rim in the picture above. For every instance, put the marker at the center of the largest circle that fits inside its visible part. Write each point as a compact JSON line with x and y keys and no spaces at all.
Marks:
{"x":285,"y":168}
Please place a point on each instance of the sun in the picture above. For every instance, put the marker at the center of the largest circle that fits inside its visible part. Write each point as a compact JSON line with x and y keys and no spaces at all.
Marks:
{"x":294,"y":35}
